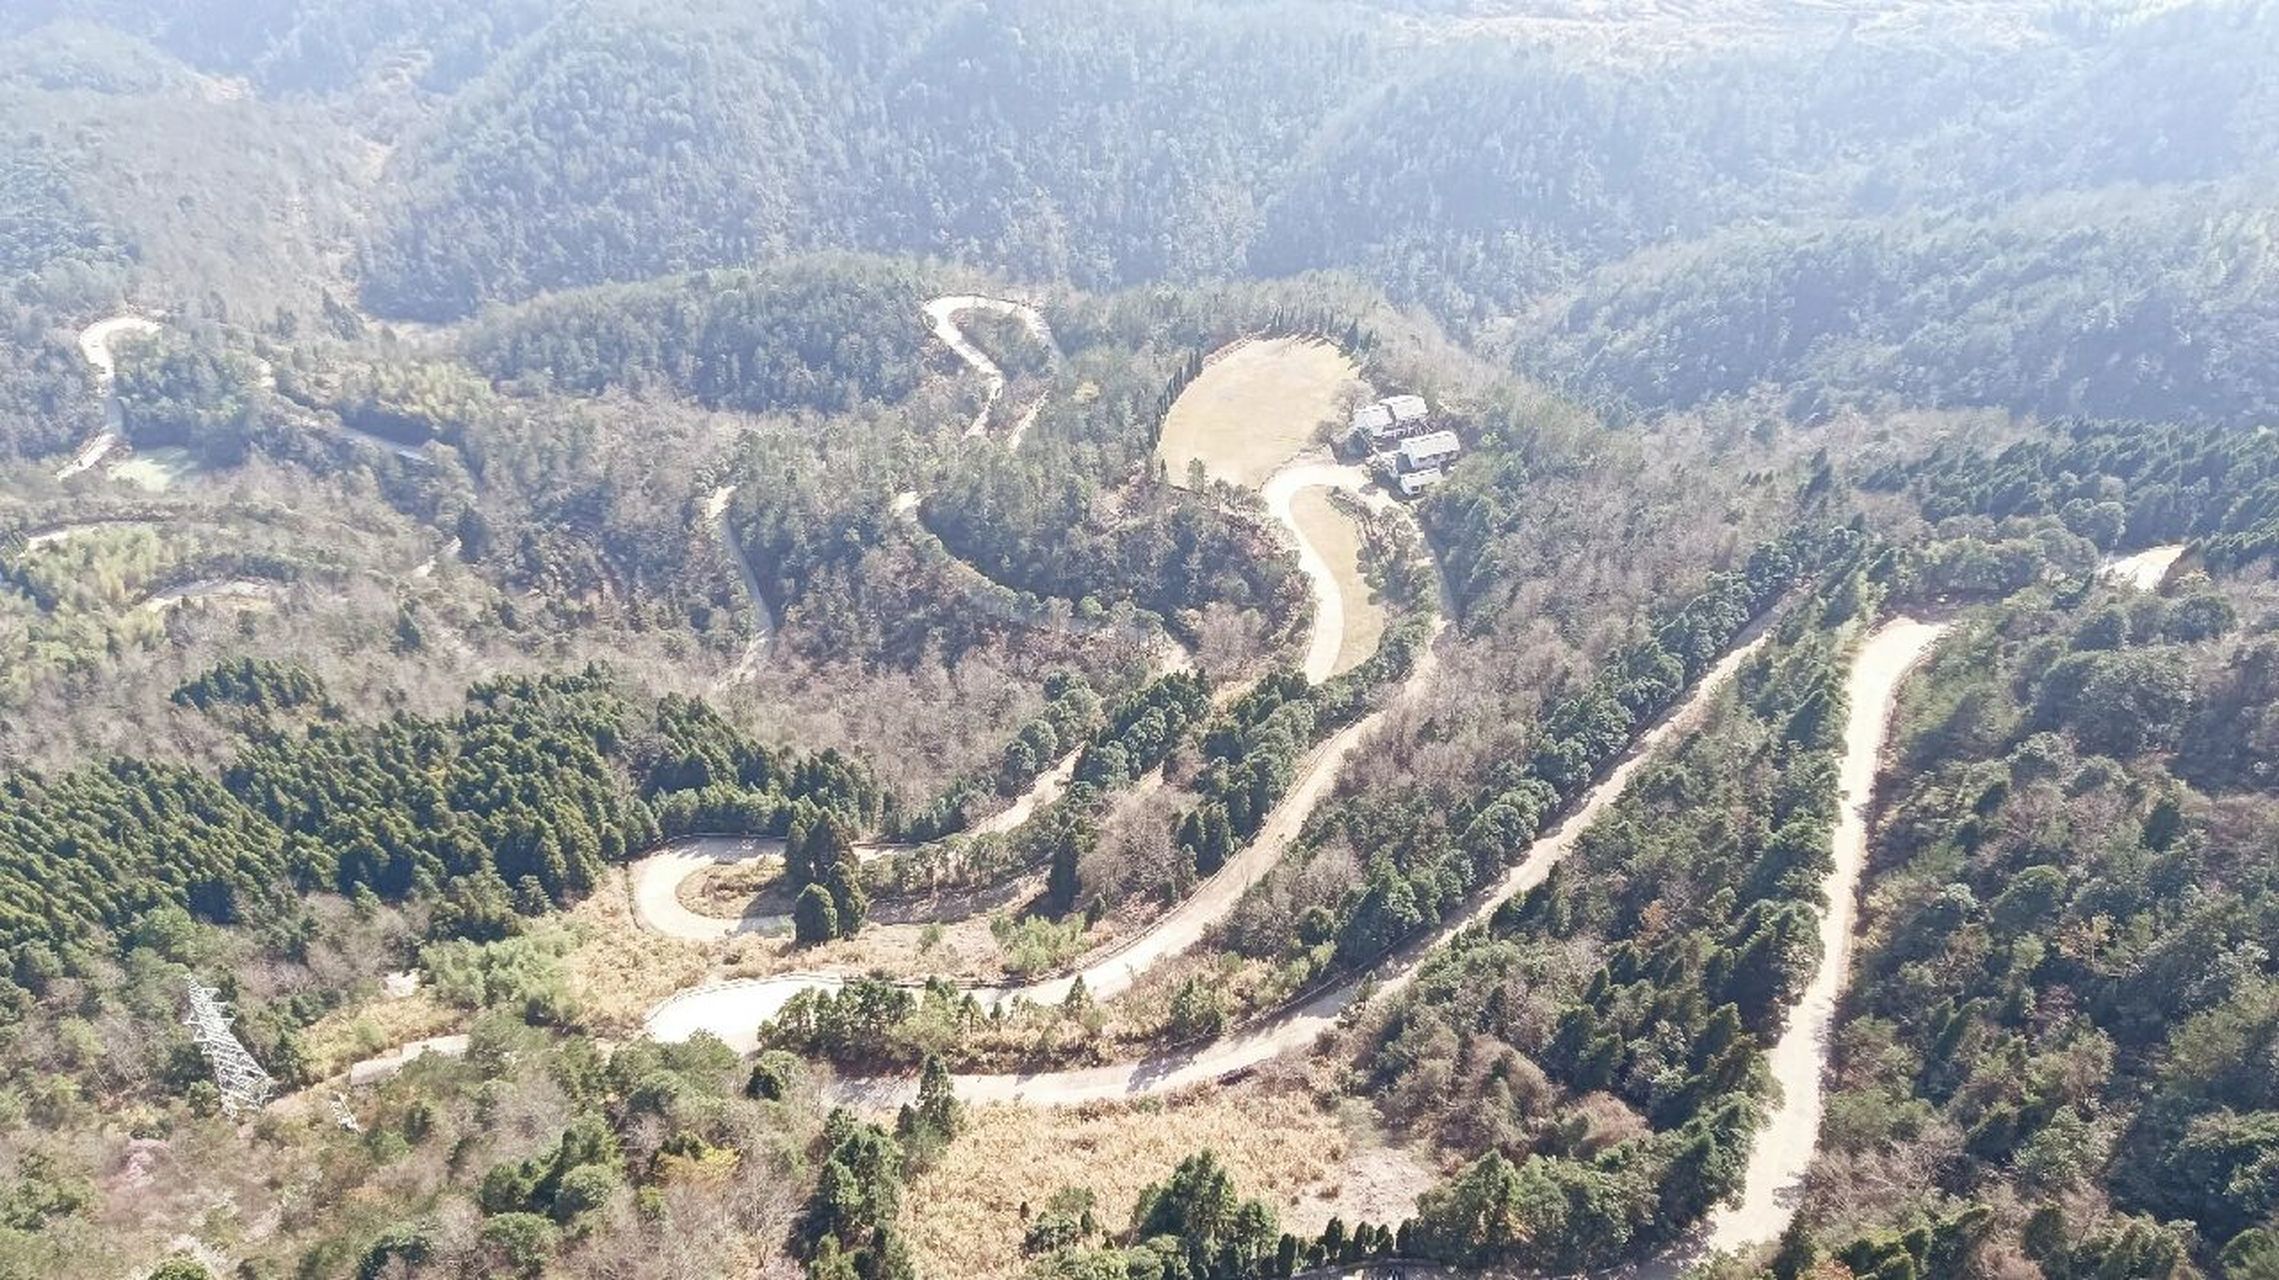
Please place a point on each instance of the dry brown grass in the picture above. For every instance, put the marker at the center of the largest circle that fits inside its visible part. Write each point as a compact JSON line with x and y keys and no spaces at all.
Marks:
{"x":1333,"y":533}
{"x":964,"y":1215}
{"x":355,"y":1032}
{"x":732,"y":889}
{"x":1256,"y":409}
{"x":618,"y":969}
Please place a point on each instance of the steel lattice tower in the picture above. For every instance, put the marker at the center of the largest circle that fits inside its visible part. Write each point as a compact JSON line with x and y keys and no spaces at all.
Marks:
{"x":244,"y":1085}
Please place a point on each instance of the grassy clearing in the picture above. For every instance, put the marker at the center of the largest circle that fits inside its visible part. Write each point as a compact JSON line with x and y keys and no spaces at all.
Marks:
{"x":1338,"y":538}
{"x":1255,"y":409}
{"x":618,"y":969}
{"x":157,"y":470}
{"x":964,"y":1215}
{"x":357,"y":1032}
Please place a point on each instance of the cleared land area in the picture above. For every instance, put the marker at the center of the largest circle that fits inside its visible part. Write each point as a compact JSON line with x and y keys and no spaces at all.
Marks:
{"x":1255,"y":408}
{"x":1334,"y":534}
{"x":964,"y":1215}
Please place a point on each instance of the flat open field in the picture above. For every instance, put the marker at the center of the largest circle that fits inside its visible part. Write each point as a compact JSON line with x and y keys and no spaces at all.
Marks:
{"x":1333,"y":533}
{"x":1255,"y":409}
{"x":964,"y":1214}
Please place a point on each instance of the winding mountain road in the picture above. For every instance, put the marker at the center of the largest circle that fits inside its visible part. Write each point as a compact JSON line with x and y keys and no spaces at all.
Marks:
{"x":941,"y":315}
{"x":1283,"y":487}
{"x":1789,"y":1137}
{"x":716,"y":511}
{"x":1300,"y":1025}
{"x":95,"y":344}
{"x":735,"y":1009}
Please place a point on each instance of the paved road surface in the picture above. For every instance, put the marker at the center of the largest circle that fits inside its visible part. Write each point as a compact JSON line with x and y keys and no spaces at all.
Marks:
{"x":95,"y":343}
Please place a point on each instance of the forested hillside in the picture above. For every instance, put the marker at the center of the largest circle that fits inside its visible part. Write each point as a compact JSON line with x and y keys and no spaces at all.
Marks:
{"x":755,"y":638}
{"x":2063,"y":980}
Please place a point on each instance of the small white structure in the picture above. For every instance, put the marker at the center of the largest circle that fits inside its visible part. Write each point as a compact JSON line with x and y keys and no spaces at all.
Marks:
{"x":1376,"y":419}
{"x":1427,"y":452}
{"x":1412,"y":483}
{"x":1406,"y":410}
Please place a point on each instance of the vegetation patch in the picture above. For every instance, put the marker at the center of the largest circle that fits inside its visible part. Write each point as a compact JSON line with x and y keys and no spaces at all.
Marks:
{"x":1333,"y":532}
{"x":971,"y":1214}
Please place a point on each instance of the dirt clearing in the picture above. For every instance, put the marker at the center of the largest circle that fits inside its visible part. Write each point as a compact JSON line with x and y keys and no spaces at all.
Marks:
{"x":964,"y":1214}
{"x":1255,"y":409}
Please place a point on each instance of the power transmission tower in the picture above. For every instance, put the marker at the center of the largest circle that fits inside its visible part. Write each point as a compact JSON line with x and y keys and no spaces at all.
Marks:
{"x":244,"y":1085}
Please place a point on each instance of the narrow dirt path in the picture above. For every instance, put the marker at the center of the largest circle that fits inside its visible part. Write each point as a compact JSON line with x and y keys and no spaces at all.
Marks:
{"x":95,"y":344}
{"x":942,"y":313}
{"x":716,"y":511}
{"x":1790,"y":1135}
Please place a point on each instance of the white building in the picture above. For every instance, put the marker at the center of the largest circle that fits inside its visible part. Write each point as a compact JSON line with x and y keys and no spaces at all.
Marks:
{"x":1376,"y":419}
{"x":1427,"y":452}
{"x":1406,"y":410}
{"x":1412,"y":483}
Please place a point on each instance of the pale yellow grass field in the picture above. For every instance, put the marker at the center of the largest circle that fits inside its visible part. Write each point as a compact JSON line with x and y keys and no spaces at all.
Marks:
{"x":619,"y":969}
{"x":963,"y":1216}
{"x":1333,"y":533}
{"x":1255,"y":409}
{"x":157,"y":469}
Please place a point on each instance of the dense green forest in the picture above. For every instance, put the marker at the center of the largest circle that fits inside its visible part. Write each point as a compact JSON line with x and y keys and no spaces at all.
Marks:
{"x":783,"y":339}
{"x":2097,"y":304}
{"x":2062,"y":984}
{"x":1603,"y":1041}
{"x":510,"y":808}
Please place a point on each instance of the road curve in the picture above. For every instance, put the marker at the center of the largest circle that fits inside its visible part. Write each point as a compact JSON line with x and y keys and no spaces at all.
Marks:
{"x":1329,"y":599}
{"x":1789,"y":1137}
{"x":1300,"y":1025}
{"x":657,"y":877}
{"x":375,"y":1069}
{"x":941,"y":315}
{"x":252,"y":591}
{"x":735,"y":1009}
{"x":95,"y":344}
{"x":2147,"y":569}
